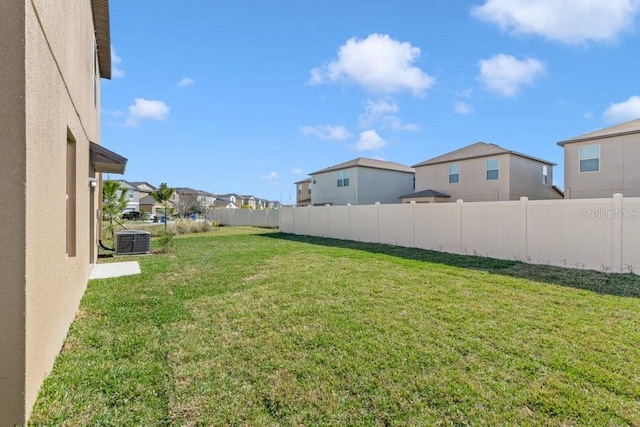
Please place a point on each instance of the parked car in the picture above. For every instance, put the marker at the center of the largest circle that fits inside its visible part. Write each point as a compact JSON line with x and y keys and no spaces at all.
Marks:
{"x":131,"y":215}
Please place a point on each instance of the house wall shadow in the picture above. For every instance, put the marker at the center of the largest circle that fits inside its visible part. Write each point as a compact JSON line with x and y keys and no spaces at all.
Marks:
{"x":624,"y":285}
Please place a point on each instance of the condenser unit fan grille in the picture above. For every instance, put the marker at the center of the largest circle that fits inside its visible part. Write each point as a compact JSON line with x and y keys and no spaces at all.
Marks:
{"x":132,"y":242}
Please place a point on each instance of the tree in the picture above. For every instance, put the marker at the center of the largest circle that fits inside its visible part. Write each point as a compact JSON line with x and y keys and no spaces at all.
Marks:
{"x":114,"y":202}
{"x":163,"y":195}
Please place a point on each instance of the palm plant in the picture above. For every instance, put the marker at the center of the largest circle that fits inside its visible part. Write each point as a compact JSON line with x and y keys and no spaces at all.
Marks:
{"x":114,"y":202}
{"x":163,"y":195}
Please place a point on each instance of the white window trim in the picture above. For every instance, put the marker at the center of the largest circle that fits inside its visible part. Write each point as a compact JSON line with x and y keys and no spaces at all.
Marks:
{"x":496,"y":169}
{"x":580,"y":159}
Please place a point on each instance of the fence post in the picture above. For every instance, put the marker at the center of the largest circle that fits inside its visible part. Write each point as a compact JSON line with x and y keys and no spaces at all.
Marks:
{"x":523,"y":228}
{"x":413,"y":223}
{"x":459,"y":204}
{"x":616,"y":234}
{"x":378,"y":221}
{"x":349,"y":221}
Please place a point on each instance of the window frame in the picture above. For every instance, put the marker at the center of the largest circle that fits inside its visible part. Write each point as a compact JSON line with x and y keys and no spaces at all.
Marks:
{"x":489,"y":169}
{"x":585,"y":159}
{"x":456,"y":174}
{"x":545,"y":175}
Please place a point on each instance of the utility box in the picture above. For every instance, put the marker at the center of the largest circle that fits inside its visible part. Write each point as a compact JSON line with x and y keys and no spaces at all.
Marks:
{"x":133,"y":242}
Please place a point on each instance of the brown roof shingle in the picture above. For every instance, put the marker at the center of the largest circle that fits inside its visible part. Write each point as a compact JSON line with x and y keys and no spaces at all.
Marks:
{"x":367,"y":163}
{"x":476,"y":150}
{"x":626,"y":128}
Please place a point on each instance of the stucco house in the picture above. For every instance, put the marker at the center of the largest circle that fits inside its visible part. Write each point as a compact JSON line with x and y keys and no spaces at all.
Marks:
{"x":132,"y":195}
{"x":188,"y":200}
{"x":361,"y":181}
{"x":52,"y":56}
{"x":602,"y":163}
{"x":483,"y":172}
{"x":303,"y":192}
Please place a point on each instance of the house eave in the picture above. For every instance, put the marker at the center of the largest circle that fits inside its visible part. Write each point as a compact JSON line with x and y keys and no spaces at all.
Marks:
{"x":106,"y":161}
{"x":103,"y":36}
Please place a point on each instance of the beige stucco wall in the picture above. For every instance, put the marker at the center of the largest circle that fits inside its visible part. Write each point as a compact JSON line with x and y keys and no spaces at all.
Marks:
{"x":12,"y":225}
{"x":55,"y":82}
{"x":527,"y":181}
{"x":619,"y":172}
{"x":473,"y":185}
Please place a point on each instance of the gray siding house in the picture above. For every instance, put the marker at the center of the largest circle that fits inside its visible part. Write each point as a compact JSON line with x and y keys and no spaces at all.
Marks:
{"x":361,"y":181}
{"x":483,"y":172}
{"x":601,"y":163}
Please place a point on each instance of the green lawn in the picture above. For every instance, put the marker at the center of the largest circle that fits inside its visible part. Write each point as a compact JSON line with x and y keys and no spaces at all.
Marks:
{"x":245,"y":326}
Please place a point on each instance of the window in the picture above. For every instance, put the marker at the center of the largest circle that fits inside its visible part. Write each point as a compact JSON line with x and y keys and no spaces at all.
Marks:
{"x":299,"y":189}
{"x":545,"y":175}
{"x":343,"y":179}
{"x":590,"y":158}
{"x":454,"y":174}
{"x":71,"y":195}
{"x":493,"y":169}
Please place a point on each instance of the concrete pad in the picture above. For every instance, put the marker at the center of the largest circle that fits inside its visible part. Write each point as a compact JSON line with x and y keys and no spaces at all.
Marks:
{"x":114,"y":269}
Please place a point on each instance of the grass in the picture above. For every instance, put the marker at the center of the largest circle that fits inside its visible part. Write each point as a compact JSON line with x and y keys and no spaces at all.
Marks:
{"x":251,"y":327}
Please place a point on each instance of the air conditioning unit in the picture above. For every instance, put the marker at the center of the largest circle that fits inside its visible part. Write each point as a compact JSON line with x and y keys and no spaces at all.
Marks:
{"x":132,"y":242}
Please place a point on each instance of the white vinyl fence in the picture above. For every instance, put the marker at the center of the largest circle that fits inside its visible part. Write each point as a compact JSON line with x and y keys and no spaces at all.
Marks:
{"x":598,"y":234}
{"x":250,"y":217}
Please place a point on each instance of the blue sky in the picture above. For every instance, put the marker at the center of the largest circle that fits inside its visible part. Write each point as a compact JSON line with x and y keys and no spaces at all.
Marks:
{"x":249,"y":97}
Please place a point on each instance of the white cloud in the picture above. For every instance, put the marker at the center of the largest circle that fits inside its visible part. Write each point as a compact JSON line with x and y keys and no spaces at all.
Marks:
{"x":464,"y":108}
{"x":116,"y":71}
{"x":623,"y":111}
{"x":369,"y":141}
{"x":272,"y":178}
{"x":186,"y":81}
{"x":328,"y":132}
{"x":381,"y":112}
{"x":588,"y":115}
{"x":114,"y":114}
{"x":567,"y":21}
{"x":377,"y":63}
{"x":144,"y":109}
{"x":297,"y":171}
{"x":506,"y":75}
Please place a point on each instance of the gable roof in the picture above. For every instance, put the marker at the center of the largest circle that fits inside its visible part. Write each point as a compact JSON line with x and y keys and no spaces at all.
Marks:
{"x":475,"y":151}
{"x":626,"y":128}
{"x":100,"y":10}
{"x":367,"y":163}
{"x":141,"y":183}
{"x":303,"y":181}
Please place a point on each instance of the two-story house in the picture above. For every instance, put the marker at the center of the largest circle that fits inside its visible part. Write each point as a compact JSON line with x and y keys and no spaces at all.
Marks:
{"x":303,"y":192}
{"x":52,"y":55}
{"x":483,"y":172}
{"x":602,"y":163}
{"x":361,"y":181}
{"x":188,"y":201}
{"x":132,"y":195}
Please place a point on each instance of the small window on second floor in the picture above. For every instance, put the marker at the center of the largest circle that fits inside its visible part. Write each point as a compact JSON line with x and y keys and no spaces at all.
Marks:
{"x":454,"y":174}
{"x":590,"y":158}
{"x":343,"y":179}
{"x":299,"y":189}
{"x":545,"y":175}
{"x":493,"y":169}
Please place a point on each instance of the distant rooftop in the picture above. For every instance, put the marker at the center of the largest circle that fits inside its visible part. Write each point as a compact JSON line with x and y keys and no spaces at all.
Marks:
{"x":367,"y":163}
